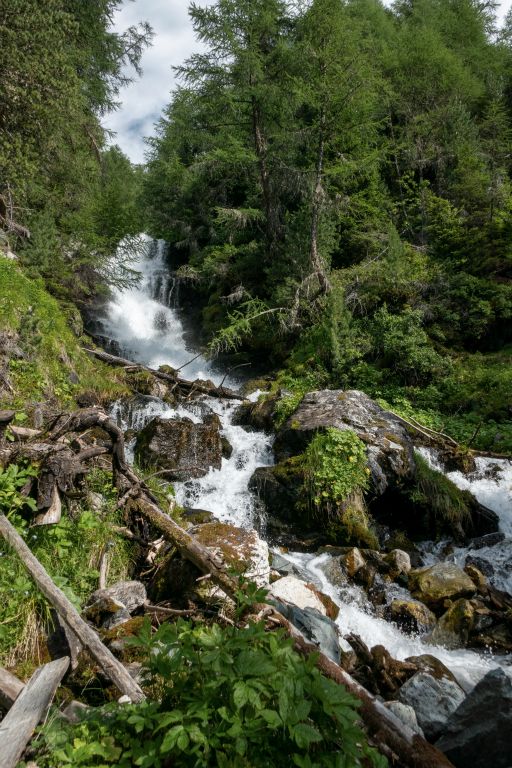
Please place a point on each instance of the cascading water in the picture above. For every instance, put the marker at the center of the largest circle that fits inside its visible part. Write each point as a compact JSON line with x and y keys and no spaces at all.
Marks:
{"x":148,"y":330}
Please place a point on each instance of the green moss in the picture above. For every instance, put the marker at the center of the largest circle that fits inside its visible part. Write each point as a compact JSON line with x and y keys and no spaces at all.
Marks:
{"x":440,"y":496}
{"x":50,"y":364}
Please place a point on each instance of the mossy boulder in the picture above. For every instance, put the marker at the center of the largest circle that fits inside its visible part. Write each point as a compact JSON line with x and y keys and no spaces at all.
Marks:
{"x":257,"y":415}
{"x":181,"y":447}
{"x":454,"y":627}
{"x":389,"y":447}
{"x":440,"y":582}
{"x":411,"y":616}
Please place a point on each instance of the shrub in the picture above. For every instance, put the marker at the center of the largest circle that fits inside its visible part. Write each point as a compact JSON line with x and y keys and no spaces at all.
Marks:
{"x":227,"y":698}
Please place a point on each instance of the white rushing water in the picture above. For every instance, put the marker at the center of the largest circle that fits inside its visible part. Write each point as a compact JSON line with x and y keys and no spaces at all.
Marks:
{"x":150,"y":331}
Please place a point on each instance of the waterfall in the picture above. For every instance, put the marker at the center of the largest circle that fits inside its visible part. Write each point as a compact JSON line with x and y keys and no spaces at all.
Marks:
{"x":149,"y":330}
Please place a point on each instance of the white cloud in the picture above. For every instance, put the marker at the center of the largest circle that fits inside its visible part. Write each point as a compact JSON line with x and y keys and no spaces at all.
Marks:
{"x":144,"y":99}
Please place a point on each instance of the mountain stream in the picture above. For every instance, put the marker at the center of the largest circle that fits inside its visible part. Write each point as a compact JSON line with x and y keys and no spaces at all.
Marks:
{"x":147,"y":328}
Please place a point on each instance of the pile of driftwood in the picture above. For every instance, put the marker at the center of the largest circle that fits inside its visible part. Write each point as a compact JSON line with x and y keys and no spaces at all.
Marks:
{"x":62,"y":454}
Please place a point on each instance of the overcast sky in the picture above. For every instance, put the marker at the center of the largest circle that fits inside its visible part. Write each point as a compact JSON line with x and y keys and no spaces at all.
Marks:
{"x":143,"y":100}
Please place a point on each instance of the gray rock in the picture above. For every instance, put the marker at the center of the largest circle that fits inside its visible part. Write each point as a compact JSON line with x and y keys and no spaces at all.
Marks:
{"x":116,"y":619}
{"x":479,"y":733}
{"x":390,"y":449}
{"x":488,"y":540}
{"x":315,"y":627}
{"x":433,"y":700}
{"x":126,"y":594}
{"x":406,"y":714}
{"x":185,"y":449}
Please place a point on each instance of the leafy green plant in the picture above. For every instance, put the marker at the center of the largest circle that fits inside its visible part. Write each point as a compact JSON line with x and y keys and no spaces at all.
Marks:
{"x":440,"y":496}
{"x":12,"y":480}
{"x":335,"y":464}
{"x":228,"y":698}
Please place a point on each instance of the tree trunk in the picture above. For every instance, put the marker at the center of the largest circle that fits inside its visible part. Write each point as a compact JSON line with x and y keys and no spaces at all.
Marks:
{"x":28,"y":710}
{"x":112,"y":668}
{"x":315,"y":259}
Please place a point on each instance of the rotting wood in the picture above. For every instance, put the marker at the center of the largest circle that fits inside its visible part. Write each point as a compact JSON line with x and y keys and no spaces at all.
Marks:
{"x":198,"y":386}
{"x":28,"y":710}
{"x":53,"y":514}
{"x":112,"y":668}
{"x":10,"y":689}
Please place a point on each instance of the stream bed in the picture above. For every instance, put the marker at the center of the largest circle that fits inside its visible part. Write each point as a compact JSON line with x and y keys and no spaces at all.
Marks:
{"x":149,"y":329}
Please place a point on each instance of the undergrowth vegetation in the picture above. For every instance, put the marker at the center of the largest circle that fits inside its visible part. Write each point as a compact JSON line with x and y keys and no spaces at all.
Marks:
{"x":70,"y":551}
{"x":336,"y":474}
{"x":222,"y":697}
{"x":40,"y":352}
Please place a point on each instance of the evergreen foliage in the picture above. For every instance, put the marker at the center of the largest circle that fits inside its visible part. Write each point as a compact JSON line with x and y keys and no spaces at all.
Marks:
{"x":334,"y":176}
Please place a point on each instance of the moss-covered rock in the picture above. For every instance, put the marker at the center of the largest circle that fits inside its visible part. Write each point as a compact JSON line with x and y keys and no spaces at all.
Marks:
{"x":440,"y":582}
{"x":454,"y":627}
{"x":411,"y":616}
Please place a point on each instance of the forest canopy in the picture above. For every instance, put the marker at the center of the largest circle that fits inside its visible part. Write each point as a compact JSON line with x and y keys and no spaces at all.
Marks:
{"x":334,"y":178}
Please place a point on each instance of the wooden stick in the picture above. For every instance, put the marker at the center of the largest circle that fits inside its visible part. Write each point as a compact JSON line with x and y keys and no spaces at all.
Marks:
{"x":112,"y":668}
{"x":196,"y":386}
{"x":28,"y":710}
{"x":10,"y":689}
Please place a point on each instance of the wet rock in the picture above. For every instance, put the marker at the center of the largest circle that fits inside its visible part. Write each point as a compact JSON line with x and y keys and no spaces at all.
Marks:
{"x":490,"y":540}
{"x":433,"y":700}
{"x":186,"y":450}
{"x":258,"y":415}
{"x":406,"y":714}
{"x":432,"y":665}
{"x":353,"y":561}
{"x":484,"y":566}
{"x":454,"y":627}
{"x":291,"y":590}
{"x":366,"y":575}
{"x":128,"y":594}
{"x":439,"y":582}
{"x":332,"y":610}
{"x":479,"y":732}
{"x":390,"y":449}
{"x":399,"y":562}
{"x":227,"y":448}
{"x":411,"y":616}
{"x":477,"y":577}
{"x":498,"y":637}
{"x":316,"y":627}
{"x":280,"y":488}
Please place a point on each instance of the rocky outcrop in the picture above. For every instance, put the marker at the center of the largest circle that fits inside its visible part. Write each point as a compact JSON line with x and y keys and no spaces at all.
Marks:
{"x":479,"y":732}
{"x":440,"y":582}
{"x":433,"y":699}
{"x":180,"y":447}
{"x":390,"y":449}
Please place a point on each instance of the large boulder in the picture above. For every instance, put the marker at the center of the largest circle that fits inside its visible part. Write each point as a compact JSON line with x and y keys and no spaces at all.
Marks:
{"x":479,"y":731}
{"x":390,"y":449}
{"x":238,"y":549}
{"x":433,"y":699}
{"x":181,"y":447}
{"x":440,"y":582}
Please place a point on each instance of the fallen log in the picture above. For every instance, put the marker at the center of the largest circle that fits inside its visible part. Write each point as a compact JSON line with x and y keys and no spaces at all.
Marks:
{"x":28,"y":710}
{"x":184,"y":385}
{"x":112,"y":668}
{"x":10,"y":689}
